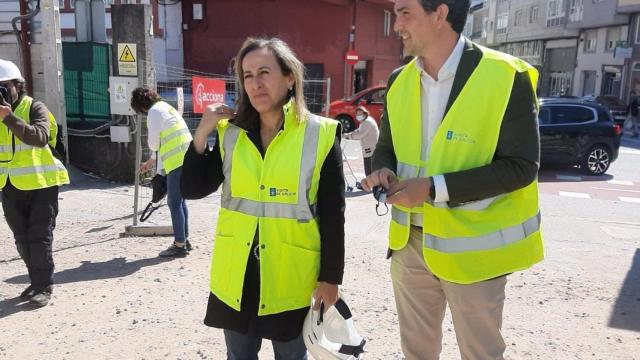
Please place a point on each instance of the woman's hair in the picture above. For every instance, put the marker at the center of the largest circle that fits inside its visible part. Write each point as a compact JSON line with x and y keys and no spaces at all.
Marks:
{"x":247,"y":116}
{"x":143,"y":98}
{"x":363,"y":109}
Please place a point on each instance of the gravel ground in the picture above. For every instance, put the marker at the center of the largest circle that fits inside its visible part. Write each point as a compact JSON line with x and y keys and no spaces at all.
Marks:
{"x":115,"y":299}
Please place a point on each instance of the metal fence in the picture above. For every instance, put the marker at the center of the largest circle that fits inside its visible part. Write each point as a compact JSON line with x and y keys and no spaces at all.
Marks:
{"x":86,"y":80}
{"x":316,"y":93}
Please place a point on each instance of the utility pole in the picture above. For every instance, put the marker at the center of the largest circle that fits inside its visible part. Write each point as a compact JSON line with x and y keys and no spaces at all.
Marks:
{"x":53,"y":67}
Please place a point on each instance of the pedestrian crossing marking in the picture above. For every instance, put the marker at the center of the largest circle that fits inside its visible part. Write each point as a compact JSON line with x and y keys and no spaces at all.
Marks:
{"x":575,"y":194}
{"x":629,"y":199}
{"x":621,"y":182}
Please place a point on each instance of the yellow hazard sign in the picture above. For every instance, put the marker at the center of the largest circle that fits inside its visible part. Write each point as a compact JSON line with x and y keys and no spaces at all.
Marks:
{"x":126,"y":55}
{"x":127,"y":64}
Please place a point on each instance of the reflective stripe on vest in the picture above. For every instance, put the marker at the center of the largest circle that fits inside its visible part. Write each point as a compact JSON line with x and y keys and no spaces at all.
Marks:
{"x":35,"y":169}
{"x":181,"y":149}
{"x":491,"y":241}
{"x":303,"y":211}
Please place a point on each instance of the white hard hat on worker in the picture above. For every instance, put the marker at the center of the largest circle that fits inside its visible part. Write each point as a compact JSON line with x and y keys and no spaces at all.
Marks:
{"x":9,"y":71}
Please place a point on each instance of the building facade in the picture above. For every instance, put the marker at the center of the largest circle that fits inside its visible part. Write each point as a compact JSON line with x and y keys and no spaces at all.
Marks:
{"x":320,"y":32}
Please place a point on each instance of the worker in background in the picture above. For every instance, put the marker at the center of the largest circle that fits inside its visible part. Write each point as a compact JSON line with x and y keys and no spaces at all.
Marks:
{"x":367,"y":133}
{"x":29,"y":178}
{"x":168,"y":135}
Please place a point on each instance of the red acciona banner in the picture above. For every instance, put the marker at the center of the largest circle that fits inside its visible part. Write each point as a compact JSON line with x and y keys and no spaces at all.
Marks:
{"x":206,"y":91}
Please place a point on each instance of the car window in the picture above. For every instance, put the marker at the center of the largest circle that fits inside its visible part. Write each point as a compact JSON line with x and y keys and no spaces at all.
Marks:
{"x":544,"y":115}
{"x":377,"y":97}
{"x":571,"y":114}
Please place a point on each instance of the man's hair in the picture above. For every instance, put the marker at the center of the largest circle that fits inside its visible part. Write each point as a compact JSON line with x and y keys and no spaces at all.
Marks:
{"x":247,"y":116}
{"x":142,"y":99}
{"x":458,"y":10}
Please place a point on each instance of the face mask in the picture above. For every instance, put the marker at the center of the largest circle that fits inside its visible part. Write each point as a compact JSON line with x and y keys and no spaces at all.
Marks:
{"x":360,"y":117}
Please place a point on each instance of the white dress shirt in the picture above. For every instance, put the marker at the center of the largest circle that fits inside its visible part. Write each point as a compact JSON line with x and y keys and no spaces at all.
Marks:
{"x":434,"y":97}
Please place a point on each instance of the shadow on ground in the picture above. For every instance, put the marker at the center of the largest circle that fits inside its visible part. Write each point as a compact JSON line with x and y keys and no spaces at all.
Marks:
{"x":550,"y":173}
{"x":626,"y":311}
{"x":87,"y":271}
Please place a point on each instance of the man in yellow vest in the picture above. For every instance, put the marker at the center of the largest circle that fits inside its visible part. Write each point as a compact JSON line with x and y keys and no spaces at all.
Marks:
{"x":458,"y":155}
{"x":29,"y":178}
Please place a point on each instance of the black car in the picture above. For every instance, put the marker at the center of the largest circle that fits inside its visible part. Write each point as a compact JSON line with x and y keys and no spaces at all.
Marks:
{"x":578,"y":132}
{"x":617,"y":108}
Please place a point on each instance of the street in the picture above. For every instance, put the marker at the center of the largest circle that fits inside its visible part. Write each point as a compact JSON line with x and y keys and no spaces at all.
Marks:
{"x":115,"y":299}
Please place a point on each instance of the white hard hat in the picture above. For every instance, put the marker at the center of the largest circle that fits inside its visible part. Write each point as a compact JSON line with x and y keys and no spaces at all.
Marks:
{"x":9,"y":71}
{"x":332,"y":335}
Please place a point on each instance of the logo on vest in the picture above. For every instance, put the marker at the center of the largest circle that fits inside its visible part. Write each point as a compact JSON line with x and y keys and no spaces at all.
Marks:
{"x":456,"y":136}
{"x":280,"y":192}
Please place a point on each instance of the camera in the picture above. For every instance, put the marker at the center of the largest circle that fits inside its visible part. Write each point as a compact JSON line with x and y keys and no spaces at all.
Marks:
{"x":4,"y":95}
{"x":380,"y":194}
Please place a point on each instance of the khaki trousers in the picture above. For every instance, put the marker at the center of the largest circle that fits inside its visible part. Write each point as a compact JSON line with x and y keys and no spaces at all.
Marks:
{"x":421,"y":299}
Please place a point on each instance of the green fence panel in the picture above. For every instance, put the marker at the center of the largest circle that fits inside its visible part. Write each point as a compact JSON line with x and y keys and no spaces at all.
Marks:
{"x":86,"y":81}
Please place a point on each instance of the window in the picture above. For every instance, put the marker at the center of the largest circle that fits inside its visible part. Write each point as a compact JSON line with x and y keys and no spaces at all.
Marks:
{"x":387,"y":23}
{"x":615,"y":35}
{"x":501,"y":24}
{"x":376,"y":97}
{"x":567,"y":114}
{"x":560,"y":83}
{"x":517,"y":21}
{"x":575,"y":10}
{"x":485,"y":26}
{"x":555,"y":13}
{"x":590,"y":41}
{"x":533,"y":14}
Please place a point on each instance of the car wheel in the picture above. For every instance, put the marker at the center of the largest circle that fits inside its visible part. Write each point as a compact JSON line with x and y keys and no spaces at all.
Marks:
{"x":347,"y":123}
{"x":597,"y":160}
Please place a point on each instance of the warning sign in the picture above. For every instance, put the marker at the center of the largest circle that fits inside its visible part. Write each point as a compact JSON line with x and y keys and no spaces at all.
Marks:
{"x":127,"y":64}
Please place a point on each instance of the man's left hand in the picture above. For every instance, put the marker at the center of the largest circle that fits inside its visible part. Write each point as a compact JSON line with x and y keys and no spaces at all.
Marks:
{"x":409,"y":193}
{"x":326,"y":293}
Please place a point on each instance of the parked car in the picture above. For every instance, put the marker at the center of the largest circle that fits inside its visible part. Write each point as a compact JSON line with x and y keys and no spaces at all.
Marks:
{"x":617,"y":108}
{"x":578,"y":132}
{"x":345,"y":110}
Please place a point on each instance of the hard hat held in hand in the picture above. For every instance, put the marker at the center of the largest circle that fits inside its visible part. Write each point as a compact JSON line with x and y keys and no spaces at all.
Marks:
{"x":332,"y":335}
{"x":9,"y":71}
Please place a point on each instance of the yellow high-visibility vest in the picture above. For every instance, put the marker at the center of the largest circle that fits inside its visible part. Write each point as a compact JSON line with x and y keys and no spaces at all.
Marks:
{"x":29,"y":167}
{"x":483,"y":239}
{"x":276,"y":196}
{"x":174,"y":141}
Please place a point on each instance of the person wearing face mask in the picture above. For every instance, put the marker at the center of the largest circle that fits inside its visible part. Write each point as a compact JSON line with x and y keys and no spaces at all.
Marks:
{"x":367,"y":133}
{"x":30,"y":176}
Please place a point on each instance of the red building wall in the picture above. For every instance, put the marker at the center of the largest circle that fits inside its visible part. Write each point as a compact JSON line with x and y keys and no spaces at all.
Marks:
{"x":317,"y":30}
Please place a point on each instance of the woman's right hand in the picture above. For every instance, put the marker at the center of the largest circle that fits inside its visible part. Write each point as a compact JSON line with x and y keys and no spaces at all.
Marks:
{"x":212,"y":115}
